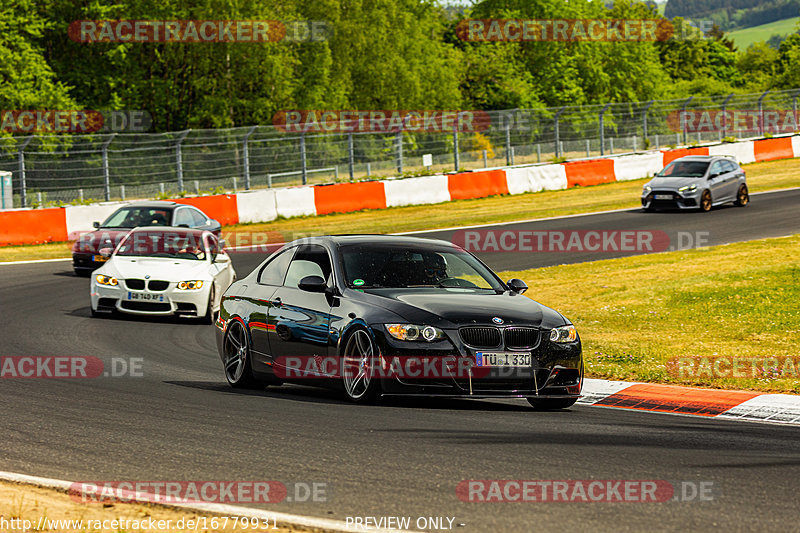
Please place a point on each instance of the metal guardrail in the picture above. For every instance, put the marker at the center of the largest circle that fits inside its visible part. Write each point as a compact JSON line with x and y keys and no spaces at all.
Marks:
{"x":50,"y":169}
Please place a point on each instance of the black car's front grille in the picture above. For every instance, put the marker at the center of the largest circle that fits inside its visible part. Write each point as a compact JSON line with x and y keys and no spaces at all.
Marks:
{"x":146,"y":306}
{"x":135,"y":284}
{"x":521,"y":337}
{"x":480,"y":337}
{"x":158,"y":285}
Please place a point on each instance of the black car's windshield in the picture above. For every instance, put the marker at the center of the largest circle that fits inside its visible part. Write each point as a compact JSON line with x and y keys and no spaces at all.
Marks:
{"x":397,"y":266}
{"x":134,"y":217}
{"x":685,"y":169}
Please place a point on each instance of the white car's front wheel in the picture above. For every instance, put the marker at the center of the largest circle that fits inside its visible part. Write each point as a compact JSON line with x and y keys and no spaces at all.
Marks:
{"x":211,"y":313}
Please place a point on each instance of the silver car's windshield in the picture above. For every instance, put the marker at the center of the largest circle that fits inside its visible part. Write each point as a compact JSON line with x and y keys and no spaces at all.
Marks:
{"x":684,"y":169}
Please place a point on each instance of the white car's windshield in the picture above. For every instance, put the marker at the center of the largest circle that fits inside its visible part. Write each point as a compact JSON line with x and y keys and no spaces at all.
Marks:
{"x":173,"y":245}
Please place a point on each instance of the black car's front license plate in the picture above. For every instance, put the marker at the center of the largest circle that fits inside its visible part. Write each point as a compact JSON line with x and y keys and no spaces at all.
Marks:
{"x":503,"y":359}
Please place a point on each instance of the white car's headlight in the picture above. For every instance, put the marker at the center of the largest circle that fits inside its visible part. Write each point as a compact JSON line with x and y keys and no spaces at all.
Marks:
{"x":102,"y":279}
{"x":564,"y":334}
{"x":411,"y":332}
{"x":192,"y":285}
{"x":688,"y":188}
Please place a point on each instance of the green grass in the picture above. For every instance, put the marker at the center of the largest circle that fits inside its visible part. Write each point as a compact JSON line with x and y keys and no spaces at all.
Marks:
{"x":747,"y":36}
{"x":760,"y":177}
{"x":635,"y":314}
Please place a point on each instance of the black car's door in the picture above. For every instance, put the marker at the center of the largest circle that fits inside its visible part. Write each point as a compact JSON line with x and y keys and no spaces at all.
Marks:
{"x":269,"y":279}
{"x":300,"y":319}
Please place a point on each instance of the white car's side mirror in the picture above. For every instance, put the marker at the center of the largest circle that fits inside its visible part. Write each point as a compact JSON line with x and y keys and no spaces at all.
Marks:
{"x":222,"y":258}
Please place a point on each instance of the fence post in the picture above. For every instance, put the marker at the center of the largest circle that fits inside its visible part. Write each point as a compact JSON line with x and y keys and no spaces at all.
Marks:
{"x":122,"y":192}
{"x":683,"y":119}
{"x":538,"y":153}
{"x":246,"y":157}
{"x":508,"y":143}
{"x":587,"y":148}
{"x":644,"y":120}
{"x":455,"y":148}
{"x":602,"y":129}
{"x":556,"y":131}
{"x":399,"y":140}
{"x":724,"y":114}
{"x":794,"y":109}
{"x":179,"y":159}
{"x":761,"y":113}
{"x":106,"y":174}
{"x":303,"y":161}
{"x":351,"y":160}
{"x":23,"y":188}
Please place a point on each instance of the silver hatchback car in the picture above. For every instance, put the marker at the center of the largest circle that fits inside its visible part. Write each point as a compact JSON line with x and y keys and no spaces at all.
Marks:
{"x":696,"y":181}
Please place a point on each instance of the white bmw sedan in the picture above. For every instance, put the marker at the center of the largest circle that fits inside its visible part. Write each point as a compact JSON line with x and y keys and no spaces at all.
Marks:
{"x":163,"y":271}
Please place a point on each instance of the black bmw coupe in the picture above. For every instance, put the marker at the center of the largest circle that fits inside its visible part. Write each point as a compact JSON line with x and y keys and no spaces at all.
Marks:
{"x":385,"y":315}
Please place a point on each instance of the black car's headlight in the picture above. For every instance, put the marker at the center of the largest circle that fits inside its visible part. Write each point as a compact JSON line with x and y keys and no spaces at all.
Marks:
{"x":564,"y":334}
{"x":411,"y":332}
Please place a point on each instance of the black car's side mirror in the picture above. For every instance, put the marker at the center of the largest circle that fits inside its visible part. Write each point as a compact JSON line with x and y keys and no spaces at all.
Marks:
{"x":517,"y":285}
{"x":106,"y":252}
{"x":312,"y":284}
{"x":96,"y":224}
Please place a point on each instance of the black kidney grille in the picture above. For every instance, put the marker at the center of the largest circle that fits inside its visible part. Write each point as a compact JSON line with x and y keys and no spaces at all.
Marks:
{"x":158,"y":285}
{"x":521,"y":337}
{"x":480,"y":337}
{"x":135,"y":284}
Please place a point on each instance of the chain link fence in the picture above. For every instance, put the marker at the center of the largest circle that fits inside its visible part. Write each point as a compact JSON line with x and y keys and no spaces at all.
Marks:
{"x":63,"y":169}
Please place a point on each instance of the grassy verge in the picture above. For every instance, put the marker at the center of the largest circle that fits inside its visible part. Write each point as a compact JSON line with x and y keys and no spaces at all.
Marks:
{"x":26,"y":502}
{"x":635,"y":314}
{"x":619,"y":195}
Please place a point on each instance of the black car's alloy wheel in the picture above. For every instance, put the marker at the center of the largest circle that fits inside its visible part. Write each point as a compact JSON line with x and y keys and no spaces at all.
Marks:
{"x":705,"y":201}
{"x":236,"y":347}
{"x":743,"y":196}
{"x":358,"y":360}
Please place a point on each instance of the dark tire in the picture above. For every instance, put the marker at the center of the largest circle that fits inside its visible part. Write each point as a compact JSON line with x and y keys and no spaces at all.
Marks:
{"x":649,"y":209}
{"x":743,"y":196}
{"x":236,"y":350}
{"x":81,"y":273}
{"x":211,"y":315}
{"x":705,"y":201}
{"x":551,"y":404}
{"x":358,"y":359}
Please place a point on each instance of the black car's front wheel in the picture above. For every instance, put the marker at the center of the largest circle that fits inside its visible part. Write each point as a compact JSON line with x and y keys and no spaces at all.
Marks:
{"x":358,"y":364}
{"x":236,"y":350}
{"x":550,"y":404}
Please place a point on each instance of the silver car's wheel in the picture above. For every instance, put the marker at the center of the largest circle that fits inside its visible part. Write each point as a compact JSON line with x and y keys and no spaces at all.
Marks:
{"x":236,"y":350}
{"x":705,"y":201}
{"x":742,"y":196}
{"x":358,"y":360}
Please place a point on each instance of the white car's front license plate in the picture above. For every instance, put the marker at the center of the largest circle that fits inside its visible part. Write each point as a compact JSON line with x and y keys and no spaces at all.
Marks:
{"x":502,"y":359}
{"x":146,"y":296}
{"x":663,"y":197}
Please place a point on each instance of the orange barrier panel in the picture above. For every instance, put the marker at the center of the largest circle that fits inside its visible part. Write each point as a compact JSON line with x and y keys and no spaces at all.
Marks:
{"x":477,"y":184}
{"x":33,"y":226}
{"x":672,"y":155}
{"x":592,"y":172}
{"x":772,"y":149}
{"x":672,"y":399}
{"x":221,"y":207}
{"x":348,"y":197}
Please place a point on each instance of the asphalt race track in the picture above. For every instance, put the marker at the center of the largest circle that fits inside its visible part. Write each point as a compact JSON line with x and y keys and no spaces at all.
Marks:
{"x":180,"y":420}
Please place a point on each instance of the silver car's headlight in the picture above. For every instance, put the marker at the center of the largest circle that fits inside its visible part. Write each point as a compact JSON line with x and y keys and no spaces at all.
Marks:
{"x":190,"y":285}
{"x":411,"y":332}
{"x":564,"y":334}
{"x":647,"y":188}
{"x":688,"y":188}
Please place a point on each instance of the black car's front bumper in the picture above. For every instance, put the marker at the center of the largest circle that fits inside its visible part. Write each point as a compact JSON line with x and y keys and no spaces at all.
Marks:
{"x":84,"y":263}
{"x":556,"y":371}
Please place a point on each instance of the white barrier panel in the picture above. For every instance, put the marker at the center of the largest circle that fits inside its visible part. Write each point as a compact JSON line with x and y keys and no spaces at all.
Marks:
{"x":518,"y":180}
{"x":81,"y":217}
{"x":295,"y":201}
{"x":744,"y":151}
{"x":634,"y":167}
{"x":256,"y":206}
{"x":416,"y":191}
{"x":796,"y":145}
{"x":547,"y":178}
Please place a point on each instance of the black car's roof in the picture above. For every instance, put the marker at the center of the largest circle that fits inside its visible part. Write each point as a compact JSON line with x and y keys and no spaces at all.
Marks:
{"x":374,"y":239}
{"x":153,"y":203}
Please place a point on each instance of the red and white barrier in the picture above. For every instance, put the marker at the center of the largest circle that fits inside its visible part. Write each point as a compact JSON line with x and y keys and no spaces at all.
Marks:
{"x":29,"y":226}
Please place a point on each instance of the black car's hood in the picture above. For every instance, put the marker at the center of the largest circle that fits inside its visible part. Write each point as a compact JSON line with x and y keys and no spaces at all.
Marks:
{"x":455,"y":307}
